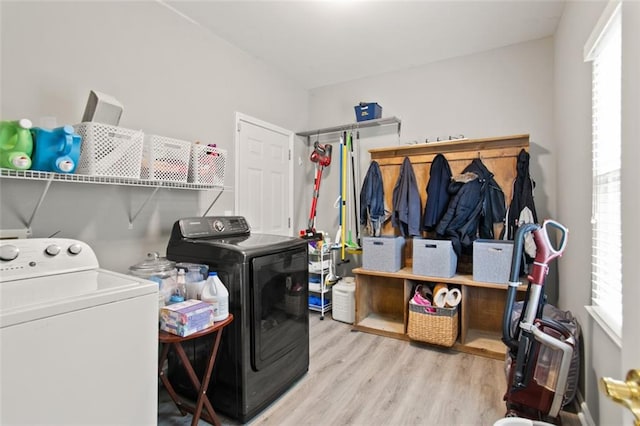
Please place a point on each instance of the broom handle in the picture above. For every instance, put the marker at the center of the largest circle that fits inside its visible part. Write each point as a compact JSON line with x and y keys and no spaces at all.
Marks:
{"x":343,"y":192}
{"x":353,"y":179}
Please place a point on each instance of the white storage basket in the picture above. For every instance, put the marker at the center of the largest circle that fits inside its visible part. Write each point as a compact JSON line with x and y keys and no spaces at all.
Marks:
{"x":165,"y":159}
{"x":109,"y":150}
{"x":207,"y":164}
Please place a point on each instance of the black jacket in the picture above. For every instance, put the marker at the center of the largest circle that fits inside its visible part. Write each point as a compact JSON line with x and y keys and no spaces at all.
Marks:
{"x":437,"y":194}
{"x":522,"y":195}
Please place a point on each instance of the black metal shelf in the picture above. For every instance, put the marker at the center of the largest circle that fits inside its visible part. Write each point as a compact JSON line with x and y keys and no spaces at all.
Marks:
{"x":354,"y":126}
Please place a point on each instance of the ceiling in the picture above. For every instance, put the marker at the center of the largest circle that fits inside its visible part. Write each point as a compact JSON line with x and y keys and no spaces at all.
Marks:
{"x":319,"y":43}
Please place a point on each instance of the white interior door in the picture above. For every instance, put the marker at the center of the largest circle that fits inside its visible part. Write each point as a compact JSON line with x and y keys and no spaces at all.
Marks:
{"x":264,"y":176}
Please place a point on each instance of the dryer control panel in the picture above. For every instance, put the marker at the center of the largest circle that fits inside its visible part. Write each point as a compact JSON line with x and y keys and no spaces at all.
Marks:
{"x":213,"y":226}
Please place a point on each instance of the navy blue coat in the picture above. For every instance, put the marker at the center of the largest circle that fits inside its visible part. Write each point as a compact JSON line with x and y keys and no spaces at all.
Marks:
{"x":407,"y":207}
{"x":460,"y":221}
{"x":473,"y":210}
{"x":372,"y":199}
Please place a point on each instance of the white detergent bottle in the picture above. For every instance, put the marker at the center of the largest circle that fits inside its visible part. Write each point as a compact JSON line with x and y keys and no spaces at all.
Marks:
{"x":216,"y":293}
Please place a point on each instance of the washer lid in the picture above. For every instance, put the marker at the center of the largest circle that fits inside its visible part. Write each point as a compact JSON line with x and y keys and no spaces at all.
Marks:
{"x":35,"y":298}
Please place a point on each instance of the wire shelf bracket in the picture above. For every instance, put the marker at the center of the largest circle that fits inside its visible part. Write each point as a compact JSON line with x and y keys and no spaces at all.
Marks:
{"x":49,"y":178}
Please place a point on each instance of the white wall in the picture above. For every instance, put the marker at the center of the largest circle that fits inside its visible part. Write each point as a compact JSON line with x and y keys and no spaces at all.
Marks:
{"x":178,"y":80}
{"x":174,"y":78}
{"x":500,"y":92}
{"x":573,"y":132}
{"x":630,"y":192}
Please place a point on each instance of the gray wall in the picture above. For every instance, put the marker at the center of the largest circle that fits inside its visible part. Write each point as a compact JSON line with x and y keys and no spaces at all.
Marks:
{"x":572,"y":105}
{"x":630,"y":192}
{"x":500,"y":92}
{"x":174,"y":79}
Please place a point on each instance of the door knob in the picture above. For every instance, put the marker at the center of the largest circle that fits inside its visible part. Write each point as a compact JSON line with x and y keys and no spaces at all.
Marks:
{"x":625,"y":393}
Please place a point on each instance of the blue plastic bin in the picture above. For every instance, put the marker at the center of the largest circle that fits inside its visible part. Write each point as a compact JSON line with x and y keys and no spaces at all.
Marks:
{"x":366,"y":111}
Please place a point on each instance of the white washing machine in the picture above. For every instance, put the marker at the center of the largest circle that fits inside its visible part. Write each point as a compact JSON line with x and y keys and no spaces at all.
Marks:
{"x":78,"y":344}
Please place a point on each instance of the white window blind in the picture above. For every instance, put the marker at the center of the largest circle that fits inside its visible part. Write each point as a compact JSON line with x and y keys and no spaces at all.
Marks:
{"x":606,"y":252}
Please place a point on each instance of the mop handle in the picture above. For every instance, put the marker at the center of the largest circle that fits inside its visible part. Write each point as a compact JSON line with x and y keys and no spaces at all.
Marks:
{"x":343,"y":190}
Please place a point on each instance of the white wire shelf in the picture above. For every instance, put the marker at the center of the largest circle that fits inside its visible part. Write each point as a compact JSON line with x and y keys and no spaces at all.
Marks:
{"x":49,"y":177}
{"x":321,"y":309}
{"x":66,"y":177}
{"x":317,"y":288}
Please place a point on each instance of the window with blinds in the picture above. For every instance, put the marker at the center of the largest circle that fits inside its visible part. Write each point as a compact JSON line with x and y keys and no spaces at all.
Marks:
{"x":606,"y":252}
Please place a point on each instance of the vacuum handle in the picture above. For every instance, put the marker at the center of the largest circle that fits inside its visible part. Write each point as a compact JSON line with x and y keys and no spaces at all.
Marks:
{"x":518,"y":247}
{"x":514,"y":277}
{"x":545,"y":251}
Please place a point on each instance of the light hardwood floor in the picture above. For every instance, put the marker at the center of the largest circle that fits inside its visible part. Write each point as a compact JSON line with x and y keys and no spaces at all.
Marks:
{"x":357,"y":378}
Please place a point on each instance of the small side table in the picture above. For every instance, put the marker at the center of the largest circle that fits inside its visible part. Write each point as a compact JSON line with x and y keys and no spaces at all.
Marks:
{"x":174,"y":341}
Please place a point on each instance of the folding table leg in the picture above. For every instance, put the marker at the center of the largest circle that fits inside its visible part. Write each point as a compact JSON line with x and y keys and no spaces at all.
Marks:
{"x":202,"y":397}
{"x":166,"y":382}
{"x":207,"y":377}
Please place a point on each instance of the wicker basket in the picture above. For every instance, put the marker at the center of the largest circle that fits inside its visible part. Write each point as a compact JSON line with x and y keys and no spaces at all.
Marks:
{"x":439,"y":327}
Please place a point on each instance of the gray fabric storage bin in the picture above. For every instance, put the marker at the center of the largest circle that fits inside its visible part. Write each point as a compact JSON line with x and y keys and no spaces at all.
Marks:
{"x":382,"y":253}
{"x":434,"y":258}
{"x":492,"y":260}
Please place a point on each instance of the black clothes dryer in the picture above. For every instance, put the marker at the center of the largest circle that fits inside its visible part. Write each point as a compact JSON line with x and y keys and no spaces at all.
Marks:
{"x":266,"y":348}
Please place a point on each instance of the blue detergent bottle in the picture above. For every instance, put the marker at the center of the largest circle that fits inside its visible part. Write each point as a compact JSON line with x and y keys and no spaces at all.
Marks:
{"x":16,"y":144}
{"x":56,"y":150}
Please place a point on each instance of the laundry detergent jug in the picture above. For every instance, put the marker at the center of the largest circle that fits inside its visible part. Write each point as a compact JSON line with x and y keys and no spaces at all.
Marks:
{"x":215,"y":293}
{"x":16,"y":144}
{"x":56,"y":150}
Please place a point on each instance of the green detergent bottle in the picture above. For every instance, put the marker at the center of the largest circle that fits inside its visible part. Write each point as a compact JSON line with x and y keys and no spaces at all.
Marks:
{"x":16,"y":144}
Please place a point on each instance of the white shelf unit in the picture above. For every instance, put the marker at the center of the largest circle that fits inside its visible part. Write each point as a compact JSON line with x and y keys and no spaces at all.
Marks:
{"x":318,"y":270}
{"x":49,"y":178}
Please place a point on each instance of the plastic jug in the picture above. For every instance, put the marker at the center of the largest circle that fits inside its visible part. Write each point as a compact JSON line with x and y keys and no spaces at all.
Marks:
{"x":56,"y":150}
{"x":16,"y":144}
{"x":216,"y":293}
{"x":180,"y":294}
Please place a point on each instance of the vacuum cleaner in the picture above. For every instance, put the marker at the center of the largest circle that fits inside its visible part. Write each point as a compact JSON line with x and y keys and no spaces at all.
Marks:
{"x":542,"y":360}
{"x":321,"y":156}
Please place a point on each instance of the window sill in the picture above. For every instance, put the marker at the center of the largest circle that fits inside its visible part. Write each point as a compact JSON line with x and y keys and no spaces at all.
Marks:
{"x":614,"y":335}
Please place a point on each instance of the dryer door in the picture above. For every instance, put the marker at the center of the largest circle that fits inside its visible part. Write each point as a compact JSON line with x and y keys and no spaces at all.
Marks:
{"x":279,"y":305}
